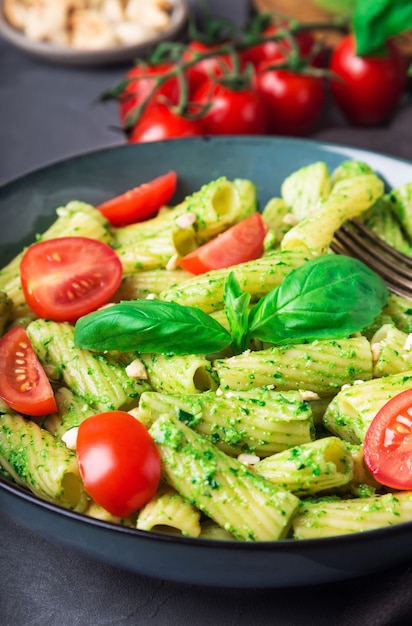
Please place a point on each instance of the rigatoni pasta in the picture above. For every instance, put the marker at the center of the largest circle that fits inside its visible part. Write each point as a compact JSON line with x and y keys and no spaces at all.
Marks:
{"x":34,"y":458}
{"x":261,"y":421}
{"x":321,"y":366}
{"x":261,"y":445}
{"x":244,"y":504}
{"x":101,"y":382}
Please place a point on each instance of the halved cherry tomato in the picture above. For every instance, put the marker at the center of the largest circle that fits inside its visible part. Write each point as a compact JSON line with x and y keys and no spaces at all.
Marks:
{"x":67,"y":277}
{"x":24,"y":384}
{"x":387,"y":447}
{"x":238,"y":244}
{"x":118,"y":461}
{"x":140,"y":203}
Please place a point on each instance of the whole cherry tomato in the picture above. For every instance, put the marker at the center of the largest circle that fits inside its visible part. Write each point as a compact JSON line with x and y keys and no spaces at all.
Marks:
{"x":142,"y":82}
{"x":233,"y":110}
{"x":160,"y":122}
{"x":118,"y":461}
{"x":295,"y":100}
{"x":367,"y":89}
{"x":204,"y":68}
{"x":276,"y":50}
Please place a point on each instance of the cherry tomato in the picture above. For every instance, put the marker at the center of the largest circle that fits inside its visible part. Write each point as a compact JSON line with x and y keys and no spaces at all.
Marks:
{"x":118,"y":461}
{"x":276,"y":50}
{"x":295,"y":100}
{"x":24,"y":384}
{"x":142,"y":83}
{"x":204,"y":68}
{"x":65,"y":278}
{"x":140,"y":203}
{"x":367,"y":89}
{"x":233,"y":111}
{"x":387,"y":448}
{"x":238,"y":244}
{"x":160,"y":122}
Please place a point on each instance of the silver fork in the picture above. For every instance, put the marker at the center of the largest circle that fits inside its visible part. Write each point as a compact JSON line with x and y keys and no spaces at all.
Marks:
{"x":356,"y":240}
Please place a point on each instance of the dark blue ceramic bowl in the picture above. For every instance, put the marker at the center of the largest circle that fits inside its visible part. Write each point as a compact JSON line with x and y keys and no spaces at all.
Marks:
{"x":27,"y":207}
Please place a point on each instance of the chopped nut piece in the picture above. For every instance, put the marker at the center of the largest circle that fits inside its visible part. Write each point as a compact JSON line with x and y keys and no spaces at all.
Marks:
{"x":136,"y":369}
{"x":70,"y":437}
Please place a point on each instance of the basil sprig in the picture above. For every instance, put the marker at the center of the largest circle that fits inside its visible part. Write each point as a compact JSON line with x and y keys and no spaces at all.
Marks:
{"x":237,"y":312}
{"x":329,"y":297}
{"x":151,"y":326}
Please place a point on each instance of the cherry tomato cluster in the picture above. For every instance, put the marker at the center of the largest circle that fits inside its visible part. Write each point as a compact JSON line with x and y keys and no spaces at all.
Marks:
{"x":272,"y":80}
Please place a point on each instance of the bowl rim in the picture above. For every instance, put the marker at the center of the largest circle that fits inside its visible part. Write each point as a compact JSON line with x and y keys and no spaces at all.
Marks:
{"x":282,"y":546}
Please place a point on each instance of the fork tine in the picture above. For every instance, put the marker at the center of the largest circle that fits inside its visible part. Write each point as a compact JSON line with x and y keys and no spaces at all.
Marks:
{"x":400,"y":256}
{"x":372,"y":256}
{"x":393,"y":266}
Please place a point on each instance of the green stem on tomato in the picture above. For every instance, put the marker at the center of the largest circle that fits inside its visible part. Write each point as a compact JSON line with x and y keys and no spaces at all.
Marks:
{"x":217,"y":29}
{"x":178,"y":71}
{"x":235,"y":80}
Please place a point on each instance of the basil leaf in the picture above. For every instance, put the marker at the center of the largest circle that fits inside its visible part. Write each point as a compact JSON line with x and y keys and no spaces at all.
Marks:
{"x":237,"y":311}
{"x":375,"y":21}
{"x":329,"y":297}
{"x":151,"y":326}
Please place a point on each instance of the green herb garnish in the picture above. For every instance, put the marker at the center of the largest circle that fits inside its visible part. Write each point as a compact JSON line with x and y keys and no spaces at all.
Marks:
{"x":151,"y":326}
{"x":330,"y":297}
{"x":376,"y":21}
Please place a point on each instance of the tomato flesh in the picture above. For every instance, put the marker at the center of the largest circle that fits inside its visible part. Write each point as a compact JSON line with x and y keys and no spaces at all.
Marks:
{"x":388,"y":443}
{"x":240,"y":243}
{"x":67,"y":277}
{"x":140,"y":203}
{"x":118,"y":462}
{"x":24,"y":384}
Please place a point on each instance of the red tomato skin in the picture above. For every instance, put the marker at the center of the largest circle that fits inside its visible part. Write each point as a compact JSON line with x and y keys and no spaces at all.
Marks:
{"x":65,"y":278}
{"x":387,"y":447}
{"x":24,"y":384}
{"x":118,"y":462}
{"x":142,"y":84}
{"x":238,"y":244}
{"x":295,"y":101}
{"x":232,"y":111}
{"x":201,"y":71}
{"x":367,"y":89}
{"x":140,"y":203}
{"x":159,"y":122}
{"x":276,"y":50}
